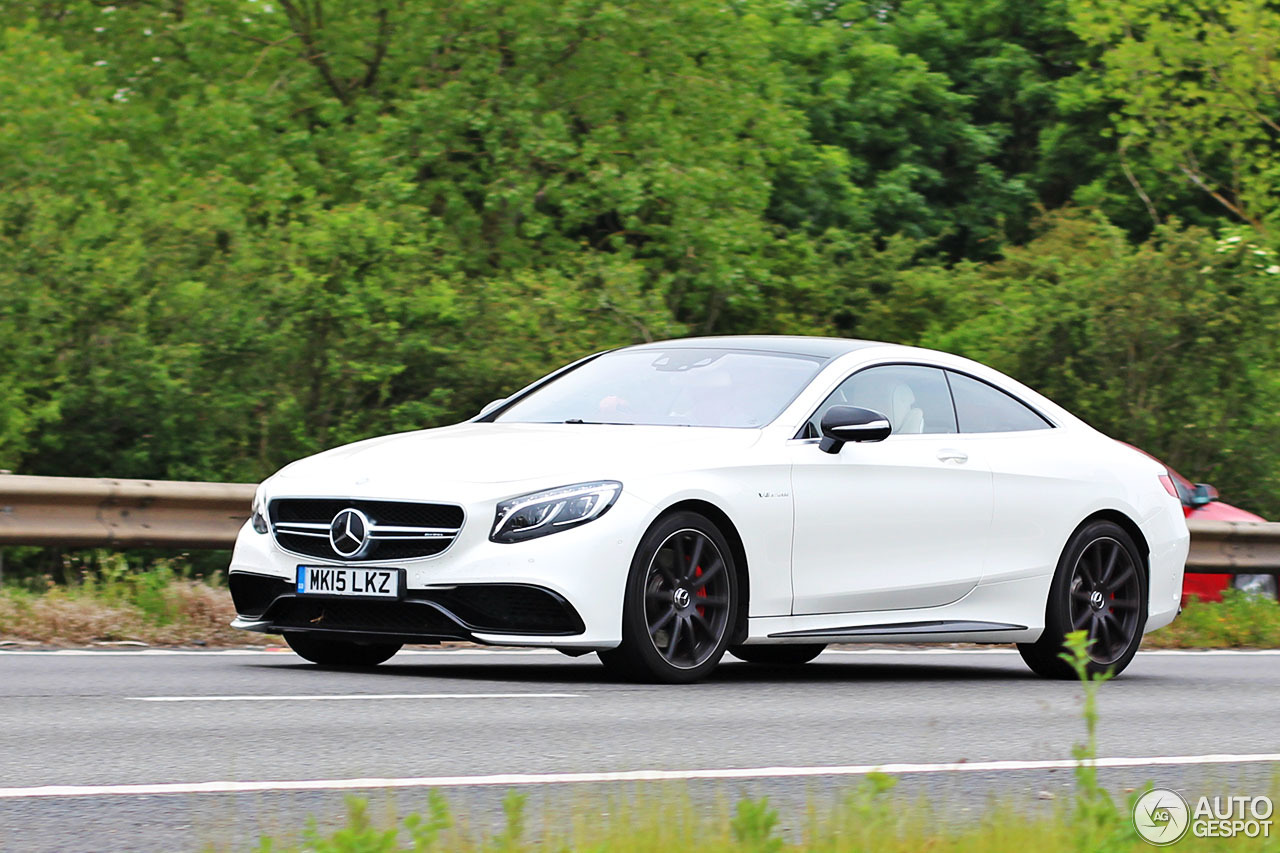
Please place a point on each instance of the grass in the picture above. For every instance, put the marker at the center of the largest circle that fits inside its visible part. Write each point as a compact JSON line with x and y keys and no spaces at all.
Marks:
{"x":1240,"y":620}
{"x":104,"y":599}
{"x":664,"y":819}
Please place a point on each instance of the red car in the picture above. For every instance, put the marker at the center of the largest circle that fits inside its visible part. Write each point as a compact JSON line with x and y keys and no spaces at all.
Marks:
{"x":1200,"y":500}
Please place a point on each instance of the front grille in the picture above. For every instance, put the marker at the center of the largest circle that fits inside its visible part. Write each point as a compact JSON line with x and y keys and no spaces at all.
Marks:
{"x":399,"y":530}
{"x":252,"y":594}
{"x":380,"y":617}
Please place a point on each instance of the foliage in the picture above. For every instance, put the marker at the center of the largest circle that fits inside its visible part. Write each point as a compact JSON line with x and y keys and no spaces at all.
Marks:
{"x":896,"y":148}
{"x":861,"y":819}
{"x":106,"y":599}
{"x":1240,"y":620}
{"x":1198,"y":91}
{"x":754,"y":824}
{"x":1098,"y":826}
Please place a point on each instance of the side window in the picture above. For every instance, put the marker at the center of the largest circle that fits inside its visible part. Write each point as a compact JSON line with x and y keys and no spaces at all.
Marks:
{"x":914,"y":398}
{"x":984,"y":408}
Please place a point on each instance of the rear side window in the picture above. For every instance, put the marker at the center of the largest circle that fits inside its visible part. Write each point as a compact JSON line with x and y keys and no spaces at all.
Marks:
{"x":984,"y":408}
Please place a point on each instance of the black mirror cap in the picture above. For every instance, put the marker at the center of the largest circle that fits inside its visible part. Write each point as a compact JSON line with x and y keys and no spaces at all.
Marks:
{"x":852,"y":423}
{"x":1202,"y":494}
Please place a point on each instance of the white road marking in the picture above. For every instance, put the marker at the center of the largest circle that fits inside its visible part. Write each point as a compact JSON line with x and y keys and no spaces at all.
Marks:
{"x":354,"y":696}
{"x":440,"y":653}
{"x":229,"y":787}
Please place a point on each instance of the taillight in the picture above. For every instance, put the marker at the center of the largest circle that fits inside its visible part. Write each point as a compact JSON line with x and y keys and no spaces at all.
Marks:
{"x":1167,"y":482}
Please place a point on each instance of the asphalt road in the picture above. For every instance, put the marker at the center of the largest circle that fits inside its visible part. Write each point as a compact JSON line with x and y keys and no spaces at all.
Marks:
{"x":466,"y":721}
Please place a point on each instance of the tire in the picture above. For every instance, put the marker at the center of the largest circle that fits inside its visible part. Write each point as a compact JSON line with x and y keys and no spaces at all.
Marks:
{"x":680,"y":602}
{"x":1100,"y":585}
{"x":332,"y":652}
{"x":778,"y":654}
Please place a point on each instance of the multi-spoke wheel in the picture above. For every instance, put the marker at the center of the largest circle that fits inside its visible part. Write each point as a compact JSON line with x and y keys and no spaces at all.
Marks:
{"x":680,"y":602}
{"x":1100,"y":587}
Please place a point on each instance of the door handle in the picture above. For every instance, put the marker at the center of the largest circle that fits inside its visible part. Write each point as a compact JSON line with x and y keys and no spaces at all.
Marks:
{"x":950,"y":454}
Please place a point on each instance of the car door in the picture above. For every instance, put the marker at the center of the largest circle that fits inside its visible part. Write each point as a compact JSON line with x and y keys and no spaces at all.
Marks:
{"x":897,"y":524}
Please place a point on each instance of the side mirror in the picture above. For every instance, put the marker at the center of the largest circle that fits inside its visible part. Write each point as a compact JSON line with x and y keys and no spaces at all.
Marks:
{"x":1203,"y":494}
{"x":490,"y":406}
{"x":850,"y":423}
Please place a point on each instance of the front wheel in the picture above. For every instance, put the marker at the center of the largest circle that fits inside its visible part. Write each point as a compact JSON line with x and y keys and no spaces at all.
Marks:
{"x":681,"y":597}
{"x":1101,"y":587}
{"x":778,"y":654}
{"x":327,"y":651}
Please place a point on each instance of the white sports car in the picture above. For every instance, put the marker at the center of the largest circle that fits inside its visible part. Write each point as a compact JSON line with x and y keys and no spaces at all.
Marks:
{"x":663,"y":503}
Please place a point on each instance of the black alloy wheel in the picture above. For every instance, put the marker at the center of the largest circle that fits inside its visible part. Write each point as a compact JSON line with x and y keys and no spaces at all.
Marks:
{"x":680,"y":602}
{"x":329,"y":651}
{"x":1100,"y":587}
{"x":1105,"y":596}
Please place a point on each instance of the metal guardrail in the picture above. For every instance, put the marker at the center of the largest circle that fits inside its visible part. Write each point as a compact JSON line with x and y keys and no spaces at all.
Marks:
{"x":1234,"y":547}
{"x":85,"y":512}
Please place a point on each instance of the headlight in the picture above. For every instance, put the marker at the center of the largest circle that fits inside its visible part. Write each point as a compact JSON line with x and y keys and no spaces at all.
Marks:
{"x":542,"y":513}
{"x":259,"y":517}
{"x":1264,"y":585}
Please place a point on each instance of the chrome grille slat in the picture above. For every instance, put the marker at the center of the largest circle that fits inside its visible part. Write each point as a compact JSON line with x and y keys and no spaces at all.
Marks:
{"x":301,"y":526}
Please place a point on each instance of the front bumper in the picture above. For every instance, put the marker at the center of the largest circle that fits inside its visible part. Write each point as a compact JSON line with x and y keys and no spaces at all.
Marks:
{"x":564,"y":590}
{"x":271,"y":605}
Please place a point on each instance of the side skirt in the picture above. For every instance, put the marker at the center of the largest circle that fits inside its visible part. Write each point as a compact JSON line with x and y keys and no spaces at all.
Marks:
{"x":941,"y":626}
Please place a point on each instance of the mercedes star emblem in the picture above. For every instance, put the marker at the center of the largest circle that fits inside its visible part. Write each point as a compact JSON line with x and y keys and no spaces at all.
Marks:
{"x":349,"y":533}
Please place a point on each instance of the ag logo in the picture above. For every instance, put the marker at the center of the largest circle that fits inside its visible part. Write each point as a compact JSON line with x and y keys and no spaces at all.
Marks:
{"x":1161,"y":816}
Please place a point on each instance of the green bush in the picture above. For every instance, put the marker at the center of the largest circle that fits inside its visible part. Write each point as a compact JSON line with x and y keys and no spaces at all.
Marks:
{"x":1240,"y":620}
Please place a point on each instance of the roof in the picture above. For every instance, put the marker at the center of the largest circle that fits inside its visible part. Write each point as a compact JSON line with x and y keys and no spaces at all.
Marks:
{"x":815,"y":347}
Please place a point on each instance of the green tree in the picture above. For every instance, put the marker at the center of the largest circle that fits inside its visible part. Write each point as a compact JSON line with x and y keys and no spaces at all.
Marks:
{"x":251,"y":230}
{"x":1199,"y":94}
{"x":897,"y":148}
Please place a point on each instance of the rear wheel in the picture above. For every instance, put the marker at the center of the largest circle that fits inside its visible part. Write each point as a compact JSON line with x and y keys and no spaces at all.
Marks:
{"x":682,"y":593}
{"x":327,"y":651}
{"x":1100,"y":587}
{"x":778,"y":654}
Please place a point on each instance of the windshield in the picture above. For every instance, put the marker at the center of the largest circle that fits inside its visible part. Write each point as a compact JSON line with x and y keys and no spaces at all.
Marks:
{"x":680,"y":386}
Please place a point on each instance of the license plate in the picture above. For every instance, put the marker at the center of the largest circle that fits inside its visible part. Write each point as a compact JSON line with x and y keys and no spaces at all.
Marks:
{"x":344,"y":580}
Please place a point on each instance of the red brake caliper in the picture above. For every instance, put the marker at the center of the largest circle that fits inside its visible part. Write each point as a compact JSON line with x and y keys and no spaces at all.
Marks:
{"x":702,"y":590}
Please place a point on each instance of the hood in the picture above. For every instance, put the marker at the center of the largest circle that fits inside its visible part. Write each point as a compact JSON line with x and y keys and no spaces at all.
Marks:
{"x":450,"y":459}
